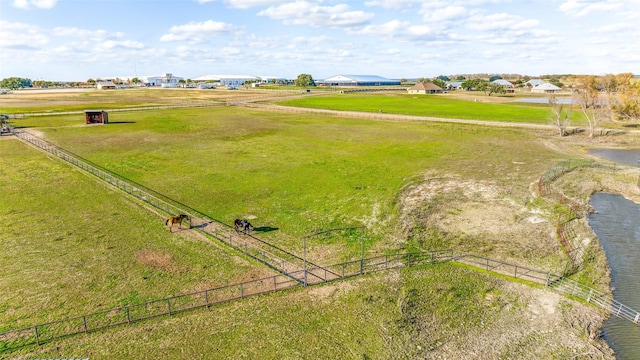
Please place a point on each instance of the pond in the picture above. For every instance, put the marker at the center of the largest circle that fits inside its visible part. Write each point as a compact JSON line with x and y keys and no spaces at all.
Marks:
{"x":617,"y":225}
{"x":627,"y":156}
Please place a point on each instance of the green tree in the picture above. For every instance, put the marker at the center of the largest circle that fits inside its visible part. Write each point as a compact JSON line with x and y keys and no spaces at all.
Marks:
{"x":91,"y":82}
{"x":443,"y":78}
{"x":495,"y":88}
{"x":495,"y":77}
{"x":15,"y":83}
{"x":305,"y":80}
{"x":475,"y":84}
{"x":439,"y":82}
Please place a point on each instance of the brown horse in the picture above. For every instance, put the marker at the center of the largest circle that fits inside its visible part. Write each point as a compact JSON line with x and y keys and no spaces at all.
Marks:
{"x":176,"y":220}
{"x":242,"y":224}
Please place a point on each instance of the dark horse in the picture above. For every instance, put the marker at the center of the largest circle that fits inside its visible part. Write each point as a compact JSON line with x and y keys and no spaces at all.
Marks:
{"x":176,"y":220}
{"x":242,"y":224}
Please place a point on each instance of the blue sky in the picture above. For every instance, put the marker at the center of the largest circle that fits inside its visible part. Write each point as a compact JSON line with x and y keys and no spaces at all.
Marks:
{"x":75,"y":40}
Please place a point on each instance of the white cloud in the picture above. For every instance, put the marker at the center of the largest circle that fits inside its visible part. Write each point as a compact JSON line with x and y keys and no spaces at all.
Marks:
{"x":306,"y":13}
{"x":39,"y":4}
{"x":445,"y":13}
{"x":246,"y":4}
{"x":580,"y":8}
{"x":21,"y":36}
{"x":114,"y":45}
{"x":197,"y":32}
{"x":84,"y":34}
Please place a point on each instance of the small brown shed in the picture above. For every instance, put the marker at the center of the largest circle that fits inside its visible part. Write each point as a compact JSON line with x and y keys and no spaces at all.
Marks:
{"x":96,"y":117}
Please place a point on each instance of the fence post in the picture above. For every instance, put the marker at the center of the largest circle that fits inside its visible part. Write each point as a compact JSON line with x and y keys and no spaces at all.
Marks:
{"x":275,"y":284}
{"x":84,"y":322}
{"x":206,"y":298}
{"x":128,"y":316}
{"x":589,"y":297}
{"x":546,"y":284}
{"x":241,"y":291}
{"x":169,"y":306}
{"x":35,"y":329}
{"x":515,"y":272}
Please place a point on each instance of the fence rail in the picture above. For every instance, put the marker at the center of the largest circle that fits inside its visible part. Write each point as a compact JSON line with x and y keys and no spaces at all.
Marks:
{"x":43,"y":333}
{"x":268,"y":254}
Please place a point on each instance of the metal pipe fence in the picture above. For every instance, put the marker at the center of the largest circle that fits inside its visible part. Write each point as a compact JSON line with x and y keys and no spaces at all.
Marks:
{"x":265,"y":253}
{"x":43,"y":333}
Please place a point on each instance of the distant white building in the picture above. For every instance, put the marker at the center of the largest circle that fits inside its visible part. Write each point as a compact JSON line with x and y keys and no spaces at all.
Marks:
{"x":533,"y":82}
{"x":358,"y":80}
{"x":166,"y":80}
{"x":547,"y":88}
{"x":233,"y":80}
{"x":105,"y":85}
{"x":272,"y":80}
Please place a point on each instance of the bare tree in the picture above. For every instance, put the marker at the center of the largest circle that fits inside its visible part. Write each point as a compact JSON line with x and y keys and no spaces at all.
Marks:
{"x":588,"y":98}
{"x":561,"y":117}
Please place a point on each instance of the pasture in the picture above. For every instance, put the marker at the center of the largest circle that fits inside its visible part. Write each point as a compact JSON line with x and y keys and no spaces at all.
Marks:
{"x":73,"y":245}
{"x":462,"y":105}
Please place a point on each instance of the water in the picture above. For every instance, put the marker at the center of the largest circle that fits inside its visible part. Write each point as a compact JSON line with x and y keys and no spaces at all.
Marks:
{"x":631,"y":156}
{"x":617,"y":225}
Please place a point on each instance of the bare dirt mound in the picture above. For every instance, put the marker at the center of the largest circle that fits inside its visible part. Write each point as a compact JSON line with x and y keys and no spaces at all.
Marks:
{"x":477,"y":217}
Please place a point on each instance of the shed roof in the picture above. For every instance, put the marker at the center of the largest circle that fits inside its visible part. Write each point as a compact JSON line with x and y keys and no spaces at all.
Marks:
{"x":534,"y":82}
{"x":502,"y":82}
{"x":546,"y":86}
{"x":426,"y":86}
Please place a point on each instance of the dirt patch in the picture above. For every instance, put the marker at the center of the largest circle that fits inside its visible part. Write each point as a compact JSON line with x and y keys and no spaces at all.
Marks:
{"x":532,"y":324}
{"x":476,"y":217}
{"x":157,"y":260}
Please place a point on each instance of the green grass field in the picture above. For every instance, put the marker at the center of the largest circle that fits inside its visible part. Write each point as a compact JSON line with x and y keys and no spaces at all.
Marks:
{"x":440,"y":105}
{"x":73,"y":246}
{"x":297,"y":173}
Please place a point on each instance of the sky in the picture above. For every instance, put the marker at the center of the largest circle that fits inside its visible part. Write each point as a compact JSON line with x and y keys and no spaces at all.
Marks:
{"x":75,"y":40}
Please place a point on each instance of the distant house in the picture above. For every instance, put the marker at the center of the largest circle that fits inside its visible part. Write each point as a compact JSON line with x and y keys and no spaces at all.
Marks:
{"x":424,"y":88}
{"x":232,"y":80}
{"x":454,"y":85}
{"x":105,"y":85}
{"x":508,"y":86}
{"x":358,"y":80}
{"x":545,"y":88}
{"x":533,"y":83}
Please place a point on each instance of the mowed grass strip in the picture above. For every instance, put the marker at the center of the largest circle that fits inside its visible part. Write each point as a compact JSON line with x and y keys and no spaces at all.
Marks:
{"x":71,"y":246}
{"x":434,"y":105}
{"x":296,"y":173}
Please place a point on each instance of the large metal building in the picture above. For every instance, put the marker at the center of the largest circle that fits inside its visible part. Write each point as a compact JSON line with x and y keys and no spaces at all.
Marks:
{"x":358,"y":80}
